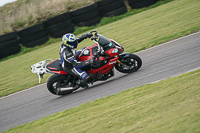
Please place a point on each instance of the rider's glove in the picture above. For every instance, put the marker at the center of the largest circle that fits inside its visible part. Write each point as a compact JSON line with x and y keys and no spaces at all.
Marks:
{"x":94,"y":36}
{"x":87,"y":35}
{"x":92,"y":60}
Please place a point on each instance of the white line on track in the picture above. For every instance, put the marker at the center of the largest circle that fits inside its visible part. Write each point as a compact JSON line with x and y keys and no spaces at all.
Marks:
{"x":22,"y":91}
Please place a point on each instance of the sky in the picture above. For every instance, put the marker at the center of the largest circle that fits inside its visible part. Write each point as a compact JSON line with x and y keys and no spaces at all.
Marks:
{"x":3,"y":2}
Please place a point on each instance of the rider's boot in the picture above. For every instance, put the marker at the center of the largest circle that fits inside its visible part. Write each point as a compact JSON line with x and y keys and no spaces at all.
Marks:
{"x":84,"y":82}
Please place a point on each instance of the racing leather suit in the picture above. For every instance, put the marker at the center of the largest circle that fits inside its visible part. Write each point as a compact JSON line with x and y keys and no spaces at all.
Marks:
{"x":69,"y":62}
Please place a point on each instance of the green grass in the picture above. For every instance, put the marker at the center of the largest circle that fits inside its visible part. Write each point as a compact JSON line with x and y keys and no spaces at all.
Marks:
{"x":169,"y":106}
{"x":136,"y":32}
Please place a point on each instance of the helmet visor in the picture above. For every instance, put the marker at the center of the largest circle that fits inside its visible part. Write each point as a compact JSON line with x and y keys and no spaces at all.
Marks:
{"x":73,"y":44}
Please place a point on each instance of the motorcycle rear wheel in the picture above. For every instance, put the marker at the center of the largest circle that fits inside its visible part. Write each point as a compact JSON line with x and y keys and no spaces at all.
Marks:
{"x":58,"y":85}
{"x":129,"y":63}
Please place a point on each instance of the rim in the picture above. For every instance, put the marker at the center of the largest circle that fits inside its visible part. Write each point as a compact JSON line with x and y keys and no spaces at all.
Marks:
{"x":129,"y":64}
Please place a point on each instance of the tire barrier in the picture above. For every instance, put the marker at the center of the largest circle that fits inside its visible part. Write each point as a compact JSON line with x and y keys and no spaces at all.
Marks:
{"x":110,"y":8}
{"x":10,"y":51}
{"x":86,"y":16}
{"x":90,"y":22}
{"x":116,"y":12}
{"x":57,"y":19}
{"x":59,"y":25}
{"x":63,"y":31}
{"x":33,"y":36}
{"x":136,"y":4}
{"x":9,"y":44}
{"x":8,"y":36}
{"x":64,"y":23}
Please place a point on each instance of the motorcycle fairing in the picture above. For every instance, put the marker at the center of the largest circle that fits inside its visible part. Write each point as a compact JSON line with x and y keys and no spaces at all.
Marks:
{"x":106,"y":68}
{"x":92,"y":51}
{"x":108,"y":58}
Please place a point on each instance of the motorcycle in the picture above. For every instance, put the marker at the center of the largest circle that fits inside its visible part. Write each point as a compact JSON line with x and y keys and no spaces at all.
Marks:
{"x":107,"y":53}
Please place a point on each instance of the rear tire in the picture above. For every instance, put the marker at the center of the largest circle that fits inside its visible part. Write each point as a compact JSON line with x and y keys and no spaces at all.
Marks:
{"x":56,"y":82}
{"x":129,"y":63}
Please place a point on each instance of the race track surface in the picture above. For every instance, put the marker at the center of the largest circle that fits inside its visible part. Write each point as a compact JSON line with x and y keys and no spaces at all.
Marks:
{"x":160,"y":62}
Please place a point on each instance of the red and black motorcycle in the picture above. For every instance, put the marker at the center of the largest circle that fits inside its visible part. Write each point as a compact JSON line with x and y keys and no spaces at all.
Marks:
{"x":108,"y":54}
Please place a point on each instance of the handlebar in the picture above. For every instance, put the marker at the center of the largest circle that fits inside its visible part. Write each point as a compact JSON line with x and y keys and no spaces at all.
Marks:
{"x":99,"y":47}
{"x":99,"y":50}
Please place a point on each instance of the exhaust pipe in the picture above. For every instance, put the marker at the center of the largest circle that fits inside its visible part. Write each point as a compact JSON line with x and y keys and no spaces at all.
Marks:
{"x":63,"y":91}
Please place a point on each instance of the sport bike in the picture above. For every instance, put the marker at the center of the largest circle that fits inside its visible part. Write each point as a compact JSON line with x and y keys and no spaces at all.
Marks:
{"x":107,"y":53}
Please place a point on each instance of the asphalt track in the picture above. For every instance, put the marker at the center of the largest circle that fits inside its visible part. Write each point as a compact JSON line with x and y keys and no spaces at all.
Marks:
{"x":164,"y":61}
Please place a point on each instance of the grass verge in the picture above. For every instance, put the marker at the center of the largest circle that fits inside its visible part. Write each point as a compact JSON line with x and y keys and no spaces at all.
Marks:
{"x":171,"y":106}
{"x":136,"y":32}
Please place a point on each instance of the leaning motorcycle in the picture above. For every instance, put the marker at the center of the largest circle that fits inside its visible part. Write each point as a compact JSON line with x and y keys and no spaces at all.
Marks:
{"x":108,"y":54}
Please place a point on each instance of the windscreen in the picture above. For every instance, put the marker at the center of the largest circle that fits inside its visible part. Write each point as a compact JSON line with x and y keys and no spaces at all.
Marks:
{"x":103,"y":40}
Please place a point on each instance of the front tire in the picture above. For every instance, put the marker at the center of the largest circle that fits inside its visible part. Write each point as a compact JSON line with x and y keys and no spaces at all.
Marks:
{"x":128,"y":63}
{"x":59,"y":85}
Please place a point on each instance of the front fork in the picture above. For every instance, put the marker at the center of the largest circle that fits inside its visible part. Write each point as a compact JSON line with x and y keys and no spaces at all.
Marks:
{"x":119,"y":62}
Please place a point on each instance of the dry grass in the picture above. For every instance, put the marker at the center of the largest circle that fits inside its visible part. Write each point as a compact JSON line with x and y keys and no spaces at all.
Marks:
{"x":25,"y":13}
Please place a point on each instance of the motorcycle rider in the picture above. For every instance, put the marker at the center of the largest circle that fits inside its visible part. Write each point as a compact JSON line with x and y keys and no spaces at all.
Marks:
{"x":69,"y":62}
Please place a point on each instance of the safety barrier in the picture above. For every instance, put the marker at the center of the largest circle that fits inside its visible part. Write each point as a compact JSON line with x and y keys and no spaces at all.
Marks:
{"x":110,"y":8}
{"x":64,"y":23}
{"x":9,"y":44}
{"x":86,"y":16}
{"x":59,"y":25}
{"x":33,"y":36}
{"x":135,"y":4}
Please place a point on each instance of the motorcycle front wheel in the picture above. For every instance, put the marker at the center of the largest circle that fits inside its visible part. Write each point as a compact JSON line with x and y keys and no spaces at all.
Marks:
{"x":59,"y":85}
{"x":128,"y":63}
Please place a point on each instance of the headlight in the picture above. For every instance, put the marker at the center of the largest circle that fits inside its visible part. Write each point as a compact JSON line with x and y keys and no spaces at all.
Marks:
{"x":115,"y":51}
{"x":86,"y":52}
